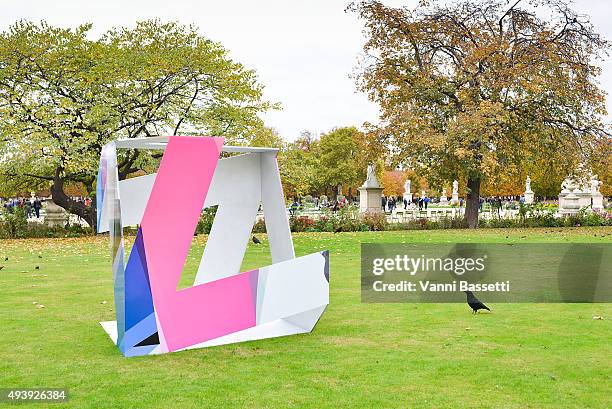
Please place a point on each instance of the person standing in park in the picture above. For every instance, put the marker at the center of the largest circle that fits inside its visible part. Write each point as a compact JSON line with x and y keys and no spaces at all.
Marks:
{"x":426,"y":202}
{"x":37,"y":206}
{"x":293,"y":208}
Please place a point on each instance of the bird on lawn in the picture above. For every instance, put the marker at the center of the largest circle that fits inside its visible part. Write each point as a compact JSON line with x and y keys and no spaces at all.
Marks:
{"x":37,"y":268}
{"x":6,"y":259}
{"x":1,"y":267}
{"x":474,"y":303}
{"x":256,"y":240}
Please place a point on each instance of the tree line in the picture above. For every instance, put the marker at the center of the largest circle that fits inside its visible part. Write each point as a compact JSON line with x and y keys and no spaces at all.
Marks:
{"x":482,"y":91}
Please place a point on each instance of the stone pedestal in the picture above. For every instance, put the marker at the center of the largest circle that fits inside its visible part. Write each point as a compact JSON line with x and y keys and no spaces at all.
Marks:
{"x":571,"y":204}
{"x":370,"y":194}
{"x":55,"y":215}
{"x":584,"y":197}
{"x":597,"y":201}
{"x":370,"y":199}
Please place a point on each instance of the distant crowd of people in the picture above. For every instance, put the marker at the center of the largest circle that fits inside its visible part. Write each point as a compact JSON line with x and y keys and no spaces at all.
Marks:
{"x":31,"y":205}
{"x":333,"y":205}
{"x":391,"y":203}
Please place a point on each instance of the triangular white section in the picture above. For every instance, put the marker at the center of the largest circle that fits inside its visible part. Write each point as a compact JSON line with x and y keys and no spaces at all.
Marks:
{"x":307,"y":319}
{"x":110,"y":327}
{"x":277,"y":328}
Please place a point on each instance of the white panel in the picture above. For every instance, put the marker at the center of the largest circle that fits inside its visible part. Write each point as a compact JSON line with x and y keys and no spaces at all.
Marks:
{"x":236,"y":189}
{"x":236,"y":180}
{"x":275,"y":213}
{"x":306,"y":319}
{"x":135,"y":194}
{"x":291,"y":287}
{"x":278,"y":328}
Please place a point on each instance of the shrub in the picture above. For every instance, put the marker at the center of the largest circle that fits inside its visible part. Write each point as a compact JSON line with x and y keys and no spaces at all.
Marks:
{"x":259,"y":226}
{"x":15,"y":224}
{"x":375,"y":222}
{"x":301,"y":223}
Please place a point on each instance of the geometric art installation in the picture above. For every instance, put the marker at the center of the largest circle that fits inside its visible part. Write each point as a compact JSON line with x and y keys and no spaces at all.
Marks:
{"x":224,"y":305}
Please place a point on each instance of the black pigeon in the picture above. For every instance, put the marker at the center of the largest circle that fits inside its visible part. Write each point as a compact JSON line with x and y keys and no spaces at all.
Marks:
{"x":37,"y":268}
{"x":256,"y":240}
{"x":474,"y":303}
{"x":6,"y":259}
{"x":1,"y":267}
{"x":39,"y":256}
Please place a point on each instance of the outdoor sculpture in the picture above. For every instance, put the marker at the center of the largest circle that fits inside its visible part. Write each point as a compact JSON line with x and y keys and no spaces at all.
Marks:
{"x":528,"y":195}
{"x":223,"y":306}
{"x":443,"y":198}
{"x":455,"y":193}
{"x":370,"y":193}
{"x":407,"y":193}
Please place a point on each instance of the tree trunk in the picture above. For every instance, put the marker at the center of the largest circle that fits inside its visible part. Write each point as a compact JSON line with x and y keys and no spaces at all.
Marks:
{"x":60,"y":198}
{"x":472,"y":202}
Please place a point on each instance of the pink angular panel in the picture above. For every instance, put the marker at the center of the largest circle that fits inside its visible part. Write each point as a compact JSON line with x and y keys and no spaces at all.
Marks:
{"x":202,"y":312}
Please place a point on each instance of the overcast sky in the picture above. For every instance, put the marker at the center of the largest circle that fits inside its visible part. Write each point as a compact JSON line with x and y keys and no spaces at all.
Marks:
{"x":302,"y":50}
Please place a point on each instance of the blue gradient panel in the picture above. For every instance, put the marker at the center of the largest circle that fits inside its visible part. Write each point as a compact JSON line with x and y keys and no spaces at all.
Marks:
{"x":138,"y":299}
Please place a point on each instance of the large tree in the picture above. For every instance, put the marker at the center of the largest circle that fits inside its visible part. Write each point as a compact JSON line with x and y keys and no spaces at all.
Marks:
{"x":63,"y":95}
{"x":470,"y":88}
{"x":343,"y":158}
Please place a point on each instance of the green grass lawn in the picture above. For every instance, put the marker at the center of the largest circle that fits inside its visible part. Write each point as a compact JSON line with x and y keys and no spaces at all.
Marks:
{"x":359,"y":355}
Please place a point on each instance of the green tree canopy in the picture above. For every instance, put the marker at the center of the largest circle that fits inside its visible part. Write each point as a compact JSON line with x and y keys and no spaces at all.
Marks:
{"x":343,"y":159}
{"x":64,"y":95}
{"x":470,"y":88}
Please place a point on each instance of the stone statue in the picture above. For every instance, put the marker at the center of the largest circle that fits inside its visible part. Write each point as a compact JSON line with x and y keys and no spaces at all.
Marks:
{"x":595,"y":184}
{"x":528,"y":184}
{"x":371,"y":174}
{"x":528,"y":195}
{"x":407,"y":186}
{"x":443,"y":198}
{"x":371,"y":180}
{"x":455,"y":193}
{"x":407,"y":193}
{"x":569,"y":184}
